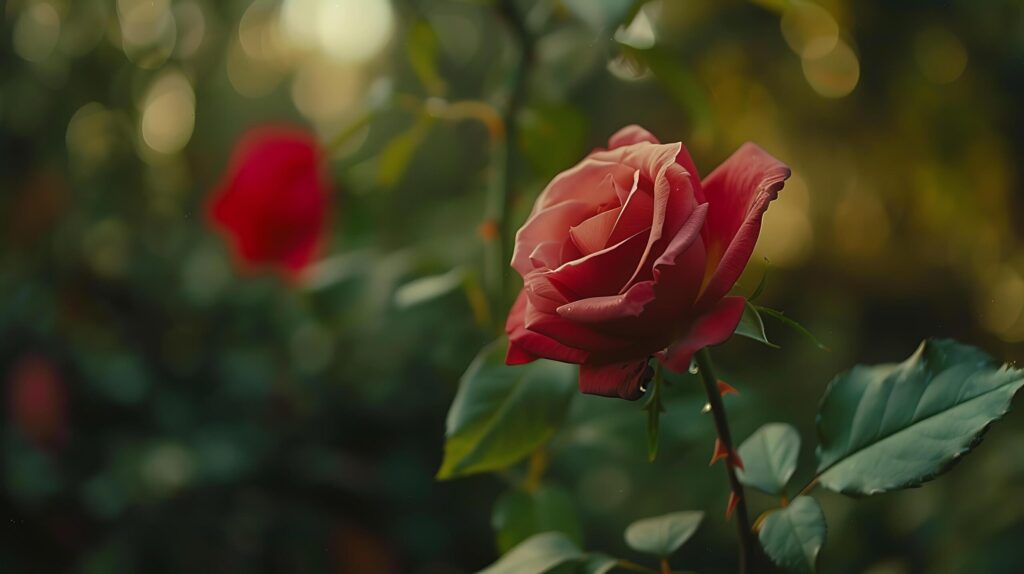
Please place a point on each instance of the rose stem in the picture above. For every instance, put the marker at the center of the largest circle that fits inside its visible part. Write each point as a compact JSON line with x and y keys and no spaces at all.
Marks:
{"x":707,"y":376}
{"x":501,"y":197}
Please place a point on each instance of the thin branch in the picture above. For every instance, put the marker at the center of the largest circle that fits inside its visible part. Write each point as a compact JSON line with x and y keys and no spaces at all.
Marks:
{"x":707,"y":376}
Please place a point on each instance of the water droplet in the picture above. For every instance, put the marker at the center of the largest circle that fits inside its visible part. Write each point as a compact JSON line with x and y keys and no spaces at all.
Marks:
{"x":643,"y":387}
{"x":706,"y":408}
{"x":694,"y":369}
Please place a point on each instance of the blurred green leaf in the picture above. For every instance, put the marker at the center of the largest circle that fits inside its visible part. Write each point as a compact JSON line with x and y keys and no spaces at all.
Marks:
{"x":421,"y":48}
{"x":663,"y":535}
{"x":552,"y":137}
{"x":752,"y":327}
{"x":769,"y":457}
{"x":793,"y":536}
{"x":599,"y":564}
{"x":395,"y":157}
{"x":426,"y":288}
{"x":601,"y":15}
{"x":501,"y":413}
{"x":518,"y":515}
{"x":888,"y":427}
{"x":538,"y":554}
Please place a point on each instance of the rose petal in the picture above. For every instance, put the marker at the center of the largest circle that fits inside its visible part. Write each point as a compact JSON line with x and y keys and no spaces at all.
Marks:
{"x":592,"y":234}
{"x":636,"y":214}
{"x":574,"y":335}
{"x":610,"y":307}
{"x":630,"y":135}
{"x":738,"y":193}
{"x":615,"y":380}
{"x":547,"y":225}
{"x":712,"y":328}
{"x":603,"y":272}
{"x":526,"y":346}
{"x":590,"y":181}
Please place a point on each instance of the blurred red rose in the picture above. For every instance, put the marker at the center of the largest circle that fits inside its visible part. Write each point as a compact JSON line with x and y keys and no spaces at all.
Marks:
{"x":37,"y":402}
{"x":272,"y":202}
{"x":629,"y":254}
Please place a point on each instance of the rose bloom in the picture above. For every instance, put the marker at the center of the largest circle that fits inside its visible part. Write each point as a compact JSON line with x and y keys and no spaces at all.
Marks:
{"x":629,"y":255}
{"x":272,"y":202}
{"x":37,"y":401}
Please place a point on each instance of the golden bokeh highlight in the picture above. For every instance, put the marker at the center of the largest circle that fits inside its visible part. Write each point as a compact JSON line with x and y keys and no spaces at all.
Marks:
{"x":835,"y":74}
{"x":36,"y":31}
{"x":940,"y":55}
{"x":787,"y":235}
{"x":809,"y":29}
{"x":168,"y":113}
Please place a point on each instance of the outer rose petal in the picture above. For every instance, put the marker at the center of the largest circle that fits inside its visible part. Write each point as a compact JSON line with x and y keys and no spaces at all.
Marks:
{"x":621,"y":380}
{"x":546,"y":225}
{"x":526,"y":346}
{"x":738,"y":193}
{"x":630,"y":135}
{"x":610,"y":307}
{"x":712,"y":328}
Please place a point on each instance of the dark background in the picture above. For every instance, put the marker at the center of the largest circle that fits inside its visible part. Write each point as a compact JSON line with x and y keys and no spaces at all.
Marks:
{"x":188,"y":418}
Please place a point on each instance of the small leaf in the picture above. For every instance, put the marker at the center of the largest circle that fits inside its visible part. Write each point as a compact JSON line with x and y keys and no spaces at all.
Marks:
{"x":888,"y":427}
{"x":781,"y":317}
{"x":599,"y":564}
{"x":518,"y":515}
{"x":663,"y":535}
{"x":422,"y":51}
{"x":752,"y":327}
{"x":395,"y":157}
{"x":537,"y":554}
{"x":793,"y":536}
{"x":769,"y":457}
{"x":501,"y":413}
{"x":426,"y":288}
{"x":654,"y":408}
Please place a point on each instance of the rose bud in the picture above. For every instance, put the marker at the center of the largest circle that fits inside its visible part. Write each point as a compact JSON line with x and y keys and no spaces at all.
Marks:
{"x":629,"y":254}
{"x":272,"y":202}
{"x":37,"y":402}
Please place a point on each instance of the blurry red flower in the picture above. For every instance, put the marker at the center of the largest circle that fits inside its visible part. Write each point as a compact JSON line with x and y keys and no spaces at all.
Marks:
{"x":272,"y":202}
{"x":37,"y":401}
{"x":630,"y":254}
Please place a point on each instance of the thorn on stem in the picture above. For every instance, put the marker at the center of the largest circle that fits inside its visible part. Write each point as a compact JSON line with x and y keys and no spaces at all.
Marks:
{"x":725,"y":388}
{"x":733,"y":501}
{"x":732,"y":458}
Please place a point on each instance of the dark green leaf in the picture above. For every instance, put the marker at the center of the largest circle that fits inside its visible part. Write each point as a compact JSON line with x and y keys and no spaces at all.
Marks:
{"x":663,"y":535}
{"x":793,"y":536}
{"x":537,"y":554}
{"x":519,"y":515}
{"x":781,"y":317}
{"x":769,"y":457}
{"x":895,"y":426}
{"x":501,"y":413}
{"x":752,"y":327}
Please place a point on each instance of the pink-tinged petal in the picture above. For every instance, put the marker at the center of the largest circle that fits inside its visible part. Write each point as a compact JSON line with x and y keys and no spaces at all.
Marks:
{"x":637,"y":214}
{"x":603,"y":272}
{"x":679,"y":271}
{"x":683,"y":159}
{"x":526,"y":346}
{"x":738,"y":193}
{"x":623,"y":380}
{"x":574,"y":335}
{"x":544,"y":294}
{"x":551,"y":224}
{"x":630,"y":135}
{"x":592,"y":181}
{"x":592,"y":234}
{"x":712,"y":328}
{"x":610,"y":307}
{"x":546,"y":255}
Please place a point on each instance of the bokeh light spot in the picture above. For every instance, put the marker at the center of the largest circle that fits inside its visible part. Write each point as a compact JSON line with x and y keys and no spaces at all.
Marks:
{"x":835,"y":74}
{"x":809,"y":29}
{"x":37,"y":32}
{"x":940,"y":55}
{"x":168,"y":116}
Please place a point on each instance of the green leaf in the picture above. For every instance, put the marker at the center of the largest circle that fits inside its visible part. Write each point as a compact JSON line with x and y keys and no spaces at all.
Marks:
{"x":663,"y":535}
{"x":426,"y":288}
{"x":895,"y":426}
{"x":761,"y":284}
{"x":552,"y":137}
{"x":422,"y":51}
{"x":518,"y":515}
{"x":781,"y":317}
{"x":537,"y":554}
{"x":395,"y":157}
{"x":501,"y":413}
{"x":769,"y":457}
{"x":793,"y":536}
{"x":654,"y":408}
{"x":752,"y":327}
{"x":598,"y":563}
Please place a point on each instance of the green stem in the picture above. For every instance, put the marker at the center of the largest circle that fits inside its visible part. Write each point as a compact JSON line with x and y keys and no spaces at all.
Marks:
{"x":707,"y":376}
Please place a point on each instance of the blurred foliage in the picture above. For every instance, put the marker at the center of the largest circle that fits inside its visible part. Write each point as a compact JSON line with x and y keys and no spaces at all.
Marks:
{"x":208,"y":421}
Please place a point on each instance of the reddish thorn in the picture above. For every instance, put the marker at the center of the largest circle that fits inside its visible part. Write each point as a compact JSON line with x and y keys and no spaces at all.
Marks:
{"x":720,"y":453}
{"x":735,"y":460}
{"x":733,"y":501}
{"x":725,"y":388}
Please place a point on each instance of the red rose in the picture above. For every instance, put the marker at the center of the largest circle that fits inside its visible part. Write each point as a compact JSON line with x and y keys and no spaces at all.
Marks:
{"x":38,"y":402}
{"x":629,"y":254}
{"x":272,"y":202}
